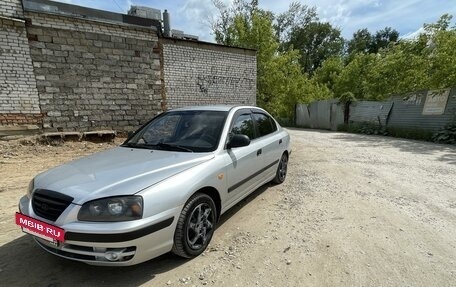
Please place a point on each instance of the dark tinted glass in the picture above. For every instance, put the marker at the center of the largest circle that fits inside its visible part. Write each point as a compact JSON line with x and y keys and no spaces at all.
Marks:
{"x":197,"y":131}
{"x":265,"y":124}
{"x":244,"y":125}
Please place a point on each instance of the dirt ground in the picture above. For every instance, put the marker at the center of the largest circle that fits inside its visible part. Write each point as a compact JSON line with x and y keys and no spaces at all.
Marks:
{"x":354,"y":211}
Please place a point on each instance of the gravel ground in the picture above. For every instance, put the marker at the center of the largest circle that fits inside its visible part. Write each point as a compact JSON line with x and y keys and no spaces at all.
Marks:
{"x":354,"y":211}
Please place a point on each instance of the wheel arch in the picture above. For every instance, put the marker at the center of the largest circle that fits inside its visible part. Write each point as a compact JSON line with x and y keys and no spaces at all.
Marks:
{"x":215,"y":195}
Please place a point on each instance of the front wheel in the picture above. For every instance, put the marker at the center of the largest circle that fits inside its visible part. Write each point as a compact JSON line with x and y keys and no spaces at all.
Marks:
{"x":281,"y":173}
{"x":195,"y":227}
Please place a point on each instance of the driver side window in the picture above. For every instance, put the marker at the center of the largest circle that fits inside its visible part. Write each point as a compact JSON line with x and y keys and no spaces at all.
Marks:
{"x":244,"y":125}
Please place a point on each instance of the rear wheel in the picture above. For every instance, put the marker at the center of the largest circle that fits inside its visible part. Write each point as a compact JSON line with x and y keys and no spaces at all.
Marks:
{"x":281,"y":173}
{"x":195,"y":227}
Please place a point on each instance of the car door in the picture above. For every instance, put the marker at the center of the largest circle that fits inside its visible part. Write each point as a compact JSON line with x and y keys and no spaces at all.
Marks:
{"x":242,"y":162}
{"x":269,"y":142}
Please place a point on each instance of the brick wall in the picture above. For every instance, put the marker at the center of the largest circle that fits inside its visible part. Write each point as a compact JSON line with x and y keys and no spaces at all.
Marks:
{"x":61,"y":69}
{"x":92,"y":75}
{"x":11,"y":8}
{"x":198,"y":73}
{"x":18,"y":94}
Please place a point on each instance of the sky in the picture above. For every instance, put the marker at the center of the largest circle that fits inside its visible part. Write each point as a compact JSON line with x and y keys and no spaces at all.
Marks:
{"x":193,"y":16}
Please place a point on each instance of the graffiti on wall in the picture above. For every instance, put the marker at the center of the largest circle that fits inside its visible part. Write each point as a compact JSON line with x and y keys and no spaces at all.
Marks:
{"x":412,"y":99}
{"x":217,"y":80}
{"x":205,"y":82}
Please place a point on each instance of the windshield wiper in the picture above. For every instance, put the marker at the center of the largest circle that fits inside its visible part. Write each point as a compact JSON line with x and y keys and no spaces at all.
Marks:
{"x":161,"y":145}
{"x":135,"y":145}
{"x":171,"y":146}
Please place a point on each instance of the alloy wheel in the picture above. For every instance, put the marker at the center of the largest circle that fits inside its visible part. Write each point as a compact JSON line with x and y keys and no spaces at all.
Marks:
{"x":200,"y":226}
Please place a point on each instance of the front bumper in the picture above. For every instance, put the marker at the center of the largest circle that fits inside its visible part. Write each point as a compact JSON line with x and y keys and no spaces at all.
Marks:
{"x":95,"y":243}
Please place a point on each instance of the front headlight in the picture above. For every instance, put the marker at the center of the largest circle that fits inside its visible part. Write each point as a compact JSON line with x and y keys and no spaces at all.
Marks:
{"x":30,"y":188}
{"x":120,"y":208}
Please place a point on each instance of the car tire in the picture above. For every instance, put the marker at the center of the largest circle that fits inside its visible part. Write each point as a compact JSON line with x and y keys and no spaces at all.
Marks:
{"x":195,"y":226}
{"x":281,"y":172}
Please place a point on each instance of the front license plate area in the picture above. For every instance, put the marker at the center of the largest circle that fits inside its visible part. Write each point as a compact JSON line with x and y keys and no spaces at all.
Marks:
{"x":38,"y":228}
{"x":49,"y":240}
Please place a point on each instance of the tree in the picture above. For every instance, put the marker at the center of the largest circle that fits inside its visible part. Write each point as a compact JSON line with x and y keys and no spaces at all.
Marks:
{"x":329,"y":72}
{"x":437,"y":43}
{"x":300,"y":59}
{"x":280,"y":81}
{"x":364,"y":42}
{"x":354,"y":78}
{"x":222,"y":25}
{"x":297,"y":15}
{"x":316,"y":42}
{"x":442,"y":59}
{"x":397,"y":71}
{"x":442,"y":24}
{"x":360,"y":43}
{"x":383,"y":38}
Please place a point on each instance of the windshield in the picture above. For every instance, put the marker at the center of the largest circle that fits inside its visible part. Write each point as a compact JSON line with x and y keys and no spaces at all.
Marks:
{"x":185,"y":131}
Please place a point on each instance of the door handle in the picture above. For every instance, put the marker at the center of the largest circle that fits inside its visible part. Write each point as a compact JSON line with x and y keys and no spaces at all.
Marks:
{"x":280,"y":141}
{"x":259,"y":151}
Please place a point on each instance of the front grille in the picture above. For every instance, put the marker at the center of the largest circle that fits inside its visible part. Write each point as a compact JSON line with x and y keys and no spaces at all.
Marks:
{"x":50,"y":204}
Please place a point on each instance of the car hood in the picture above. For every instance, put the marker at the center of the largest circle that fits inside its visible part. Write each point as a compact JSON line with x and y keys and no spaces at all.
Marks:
{"x":118,"y":171}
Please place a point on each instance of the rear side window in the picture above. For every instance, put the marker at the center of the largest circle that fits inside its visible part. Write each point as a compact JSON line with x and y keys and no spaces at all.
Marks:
{"x":244,"y":125}
{"x":265,"y":124}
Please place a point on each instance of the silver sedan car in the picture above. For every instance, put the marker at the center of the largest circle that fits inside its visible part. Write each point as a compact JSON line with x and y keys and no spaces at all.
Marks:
{"x":162,"y":190}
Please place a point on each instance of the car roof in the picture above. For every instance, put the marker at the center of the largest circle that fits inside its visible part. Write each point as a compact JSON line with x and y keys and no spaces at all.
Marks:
{"x":223,"y":108}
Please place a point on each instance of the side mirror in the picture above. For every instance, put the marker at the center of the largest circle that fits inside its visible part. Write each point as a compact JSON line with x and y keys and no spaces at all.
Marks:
{"x":238,"y":140}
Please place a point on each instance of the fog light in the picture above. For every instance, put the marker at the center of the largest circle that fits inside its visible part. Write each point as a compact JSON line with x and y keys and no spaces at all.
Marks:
{"x":112,"y":256}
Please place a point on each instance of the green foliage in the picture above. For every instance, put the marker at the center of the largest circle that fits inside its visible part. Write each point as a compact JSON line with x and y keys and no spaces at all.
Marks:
{"x":364,"y":42}
{"x":376,"y":76}
{"x":360,"y":43}
{"x":393,"y":67}
{"x":287,"y":86}
{"x":375,"y":129}
{"x":364,"y":128}
{"x":347,"y":98}
{"x":383,"y":39}
{"x":396,"y":72}
{"x":447,"y":135}
{"x":415,"y":134}
{"x":442,"y":60}
{"x":297,"y":15}
{"x":441,"y":25}
{"x":301,"y":59}
{"x":280,"y":81}
{"x":316,"y":42}
{"x":355,"y":77}
{"x":328,"y":74}
{"x":299,"y":28}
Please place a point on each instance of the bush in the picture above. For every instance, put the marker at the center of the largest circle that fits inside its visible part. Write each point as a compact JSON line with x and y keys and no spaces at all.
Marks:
{"x":446,"y":135}
{"x":286,"y":122}
{"x":410,"y":133}
{"x":363,"y":128}
{"x":376,"y":129}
